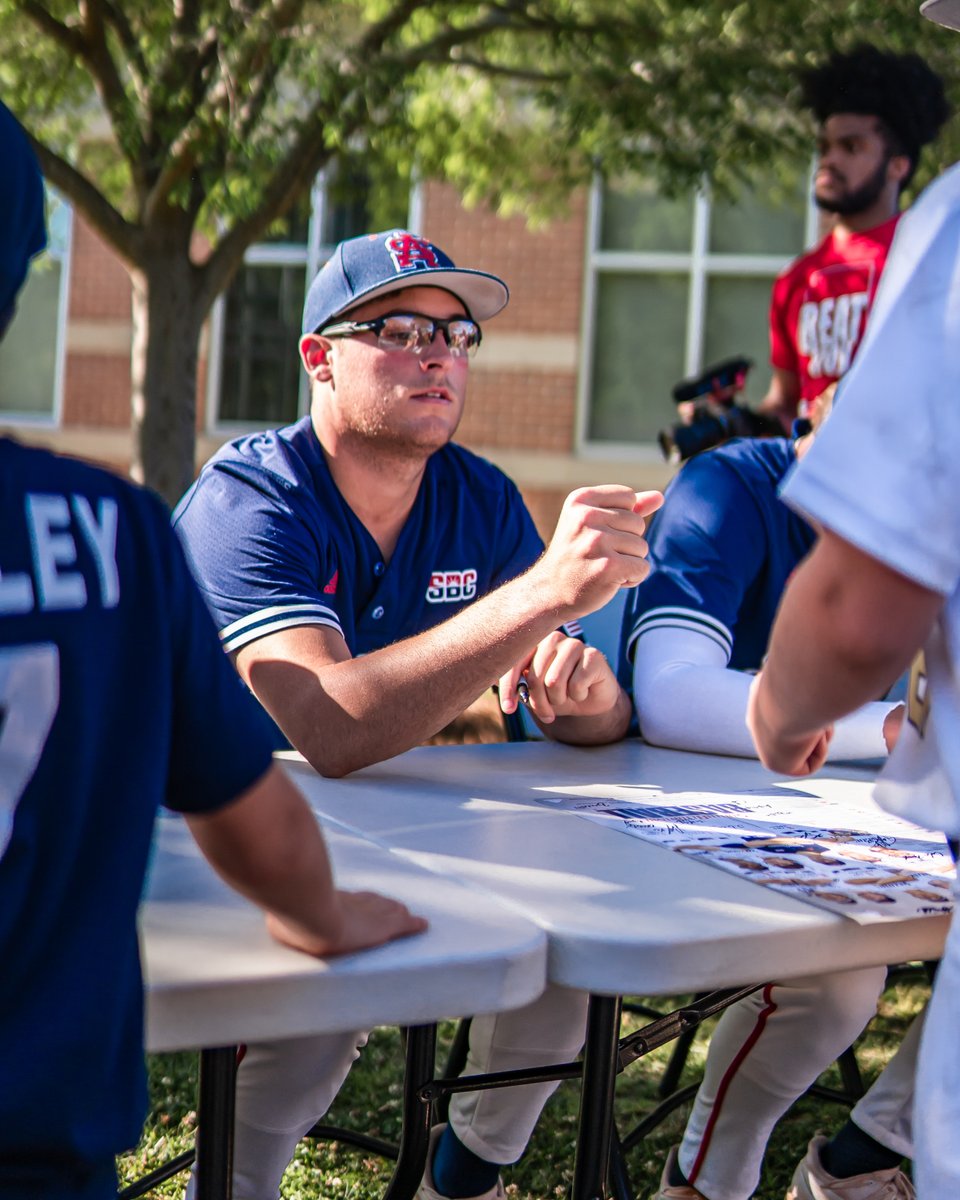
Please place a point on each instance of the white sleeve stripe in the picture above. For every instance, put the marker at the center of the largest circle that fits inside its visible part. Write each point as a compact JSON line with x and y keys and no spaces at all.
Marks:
{"x":251,"y":635}
{"x":278,"y":610}
{"x":688,"y":614}
{"x":690,"y":627}
{"x":683,"y":618}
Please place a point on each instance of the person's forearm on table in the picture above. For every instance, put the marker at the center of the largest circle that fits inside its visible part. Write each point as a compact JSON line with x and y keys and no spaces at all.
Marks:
{"x":268,"y":846}
{"x":847,"y":628}
{"x":348,"y":714}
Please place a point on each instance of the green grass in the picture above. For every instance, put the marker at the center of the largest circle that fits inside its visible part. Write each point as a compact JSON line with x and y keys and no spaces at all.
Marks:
{"x":370,"y":1101}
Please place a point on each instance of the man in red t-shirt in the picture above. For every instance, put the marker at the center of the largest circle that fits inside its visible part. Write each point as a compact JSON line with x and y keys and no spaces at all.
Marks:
{"x":875,"y":110}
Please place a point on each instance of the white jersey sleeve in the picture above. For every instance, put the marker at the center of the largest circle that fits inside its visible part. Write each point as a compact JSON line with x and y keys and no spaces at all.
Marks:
{"x":687,"y":698}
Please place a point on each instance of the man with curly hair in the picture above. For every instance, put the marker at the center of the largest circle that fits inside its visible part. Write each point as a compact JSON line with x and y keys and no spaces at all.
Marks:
{"x":875,"y":111}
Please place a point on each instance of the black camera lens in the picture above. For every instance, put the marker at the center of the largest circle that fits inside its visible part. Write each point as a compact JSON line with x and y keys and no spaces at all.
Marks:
{"x":680,"y":442}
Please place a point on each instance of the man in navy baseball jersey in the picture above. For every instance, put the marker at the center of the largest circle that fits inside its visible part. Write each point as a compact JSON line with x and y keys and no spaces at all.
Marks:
{"x":721,"y":552}
{"x":372,"y":579}
{"x":115,"y":697}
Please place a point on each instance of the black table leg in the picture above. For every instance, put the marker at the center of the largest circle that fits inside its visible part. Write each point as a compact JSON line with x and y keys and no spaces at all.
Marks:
{"x":419,"y":1069}
{"x":215,"y":1112}
{"x":596,"y":1098}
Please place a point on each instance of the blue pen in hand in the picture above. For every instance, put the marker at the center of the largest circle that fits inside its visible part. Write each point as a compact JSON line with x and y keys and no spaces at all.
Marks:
{"x":523,"y":692}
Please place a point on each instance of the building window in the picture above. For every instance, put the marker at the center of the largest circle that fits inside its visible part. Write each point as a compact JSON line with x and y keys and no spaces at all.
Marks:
{"x":672,"y":285}
{"x":32,"y":352}
{"x":255,"y":377}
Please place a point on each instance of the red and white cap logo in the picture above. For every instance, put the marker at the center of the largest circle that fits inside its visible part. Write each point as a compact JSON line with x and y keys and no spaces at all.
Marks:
{"x":410,"y":253}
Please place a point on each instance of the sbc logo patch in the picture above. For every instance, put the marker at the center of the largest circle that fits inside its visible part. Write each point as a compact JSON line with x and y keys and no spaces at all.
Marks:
{"x":450,"y":587}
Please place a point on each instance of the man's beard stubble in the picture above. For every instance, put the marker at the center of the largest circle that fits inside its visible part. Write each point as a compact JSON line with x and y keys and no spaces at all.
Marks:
{"x":860,"y":199}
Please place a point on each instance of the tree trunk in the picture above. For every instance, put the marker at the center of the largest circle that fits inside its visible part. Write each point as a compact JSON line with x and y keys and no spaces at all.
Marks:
{"x":167,"y":322}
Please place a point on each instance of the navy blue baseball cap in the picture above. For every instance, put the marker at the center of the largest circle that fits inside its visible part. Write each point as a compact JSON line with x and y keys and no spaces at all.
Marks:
{"x":376,"y":264}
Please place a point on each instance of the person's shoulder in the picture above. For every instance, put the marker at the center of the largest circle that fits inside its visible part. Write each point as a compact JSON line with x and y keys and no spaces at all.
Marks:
{"x":750,"y":463}
{"x":276,"y":459}
{"x":920,"y":264}
{"x":884,"y":232}
{"x":35,"y":470}
{"x":762,"y":455}
{"x":798,"y":268}
{"x":749,"y":453}
{"x":276,"y":470}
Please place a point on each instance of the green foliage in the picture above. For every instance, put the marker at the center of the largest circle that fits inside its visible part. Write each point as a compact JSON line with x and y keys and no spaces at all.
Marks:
{"x":514,"y":102}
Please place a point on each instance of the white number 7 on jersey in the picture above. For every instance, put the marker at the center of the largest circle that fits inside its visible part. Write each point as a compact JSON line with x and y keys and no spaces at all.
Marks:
{"x":29,"y":695}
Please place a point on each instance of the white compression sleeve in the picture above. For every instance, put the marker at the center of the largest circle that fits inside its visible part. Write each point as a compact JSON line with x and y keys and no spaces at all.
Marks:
{"x":687,"y":698}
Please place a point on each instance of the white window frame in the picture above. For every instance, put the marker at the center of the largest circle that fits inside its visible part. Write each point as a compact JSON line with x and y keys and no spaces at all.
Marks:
{"x":698,"y":264}
{"x":311,"y":255}
{"x":54,"y":418}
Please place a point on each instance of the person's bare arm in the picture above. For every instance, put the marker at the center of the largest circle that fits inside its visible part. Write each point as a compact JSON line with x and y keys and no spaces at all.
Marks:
{"x":268,"y":846}
{"x":782,"y":398}
{"x":343,"y":713}
{"x":848,"y":625}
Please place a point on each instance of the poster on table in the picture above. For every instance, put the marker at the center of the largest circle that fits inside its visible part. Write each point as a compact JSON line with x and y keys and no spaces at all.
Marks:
{"x":846,"y":855}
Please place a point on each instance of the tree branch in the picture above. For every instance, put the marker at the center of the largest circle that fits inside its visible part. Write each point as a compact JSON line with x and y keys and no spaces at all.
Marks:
{"x":108,"y":222}
{"x":439,"y":47}
{"x":522,"y":75}
{"x":181,"y":157}
{"x":289,"y":181}
{"x":186,"y":16}
{"x":57,"y":31}
{"x":107,"y":78}
{"x":116,"y":18}
{"x":382,"y":30}
{"x":184,"y":65}
{"x":93,"y":52}
{"x":264,"y":66}
{"x":255,"y":101}
{"x":253,"y":74}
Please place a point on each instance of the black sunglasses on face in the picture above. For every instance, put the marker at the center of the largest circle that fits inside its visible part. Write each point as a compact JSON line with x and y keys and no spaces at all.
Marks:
{"x":413,"y":331}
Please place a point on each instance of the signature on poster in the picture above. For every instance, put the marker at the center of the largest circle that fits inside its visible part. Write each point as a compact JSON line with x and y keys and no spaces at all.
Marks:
{"x":851,"y":858}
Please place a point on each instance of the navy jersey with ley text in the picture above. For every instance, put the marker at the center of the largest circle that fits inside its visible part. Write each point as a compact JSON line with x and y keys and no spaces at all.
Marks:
{"x":115,"y":697}
{"x":721,"y":551}
{"x":275,"y":545}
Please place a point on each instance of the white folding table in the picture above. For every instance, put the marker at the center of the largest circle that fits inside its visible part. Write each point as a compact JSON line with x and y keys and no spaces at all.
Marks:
{"x":215,"y":978}
{"x":622,"y":916}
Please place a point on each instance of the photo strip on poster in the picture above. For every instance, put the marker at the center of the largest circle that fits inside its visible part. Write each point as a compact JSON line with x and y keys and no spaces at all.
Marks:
{"x":851,"y":858}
